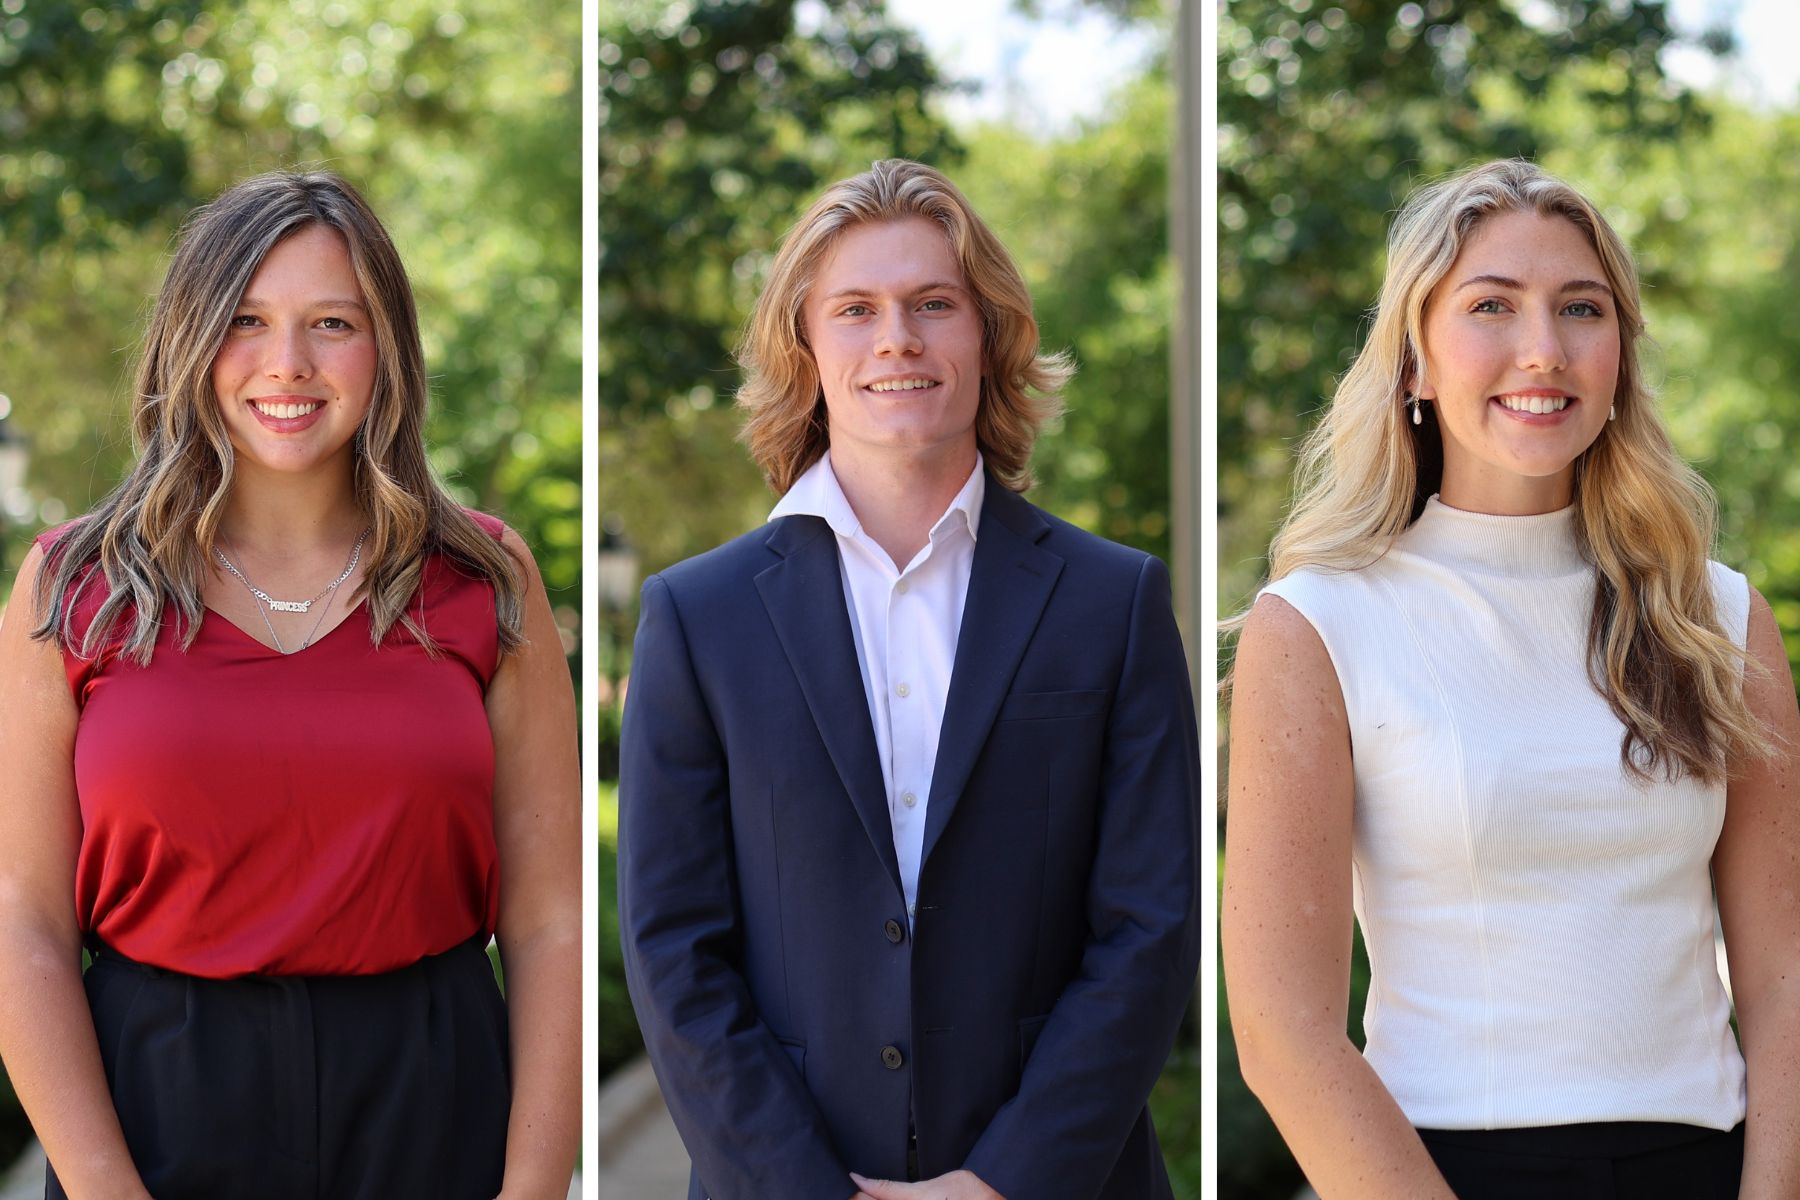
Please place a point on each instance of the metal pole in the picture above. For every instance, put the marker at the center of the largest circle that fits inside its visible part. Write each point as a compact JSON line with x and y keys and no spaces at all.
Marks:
{"x":1185,"y":371}
{"x":13,"y":454}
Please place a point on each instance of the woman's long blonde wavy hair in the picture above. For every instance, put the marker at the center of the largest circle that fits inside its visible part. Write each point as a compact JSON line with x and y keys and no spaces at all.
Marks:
{"x":152,"y":539}
{"x":1656,"y":649}
{"x":786,"y":427}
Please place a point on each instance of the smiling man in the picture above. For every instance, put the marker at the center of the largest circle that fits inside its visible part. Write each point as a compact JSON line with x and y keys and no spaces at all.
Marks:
{"x":909,"y":871}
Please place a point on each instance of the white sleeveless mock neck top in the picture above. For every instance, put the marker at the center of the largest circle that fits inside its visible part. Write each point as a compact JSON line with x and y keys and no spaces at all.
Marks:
{"x":1539,"y":924}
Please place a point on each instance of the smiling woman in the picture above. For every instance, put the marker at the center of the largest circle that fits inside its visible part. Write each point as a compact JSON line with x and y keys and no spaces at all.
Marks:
{"x":282,"y":718}
{"x":1521,"y":355}
{"x":298,"y":355}
{"x":1496,"y":706}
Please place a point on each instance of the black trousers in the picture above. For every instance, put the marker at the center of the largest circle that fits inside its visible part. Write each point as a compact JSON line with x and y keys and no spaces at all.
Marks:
{"x":1623,"y":1160}
{"x":375,"y":1087}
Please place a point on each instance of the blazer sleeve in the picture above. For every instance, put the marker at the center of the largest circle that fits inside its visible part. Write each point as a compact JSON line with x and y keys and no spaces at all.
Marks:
{"x":1107,"y":1037}
{"x":746,"y":1117}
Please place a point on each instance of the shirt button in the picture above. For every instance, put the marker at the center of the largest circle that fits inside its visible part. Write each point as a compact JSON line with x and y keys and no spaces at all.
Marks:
{"x":891,"y":1059}
{"x":909,"y":799}
{"x":902,"y":690}
{"x":901,"y":587}
{"x":894,"y":932}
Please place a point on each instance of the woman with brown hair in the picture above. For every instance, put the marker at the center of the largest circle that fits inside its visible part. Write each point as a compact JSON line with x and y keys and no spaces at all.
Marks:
{"x":1497,"y":706}
{"x":295,"y":734}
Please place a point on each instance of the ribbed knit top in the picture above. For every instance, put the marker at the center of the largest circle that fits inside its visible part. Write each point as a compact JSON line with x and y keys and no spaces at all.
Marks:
{"x":1539,"y":924}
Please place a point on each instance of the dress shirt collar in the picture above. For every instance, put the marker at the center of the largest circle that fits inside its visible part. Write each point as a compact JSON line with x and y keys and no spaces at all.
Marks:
{"x":817,"y":493}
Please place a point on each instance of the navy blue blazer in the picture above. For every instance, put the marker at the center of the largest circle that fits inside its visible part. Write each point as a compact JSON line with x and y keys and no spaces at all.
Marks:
{"x":798,"y":1029}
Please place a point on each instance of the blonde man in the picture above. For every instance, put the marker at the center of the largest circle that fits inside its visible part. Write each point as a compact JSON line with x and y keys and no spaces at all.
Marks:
{"x":908,"y":862}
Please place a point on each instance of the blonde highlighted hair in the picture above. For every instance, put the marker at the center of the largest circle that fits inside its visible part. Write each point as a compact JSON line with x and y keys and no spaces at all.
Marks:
{"x":785,"y":424}
{"x":152,"y":539}
{"x":1645,"y":520}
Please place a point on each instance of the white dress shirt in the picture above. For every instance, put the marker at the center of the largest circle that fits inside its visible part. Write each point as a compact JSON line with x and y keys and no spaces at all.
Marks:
{"x":905,"y":622}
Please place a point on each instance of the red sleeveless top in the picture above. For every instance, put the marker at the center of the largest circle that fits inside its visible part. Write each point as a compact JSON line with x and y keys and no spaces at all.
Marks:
{"x":328,"y":812}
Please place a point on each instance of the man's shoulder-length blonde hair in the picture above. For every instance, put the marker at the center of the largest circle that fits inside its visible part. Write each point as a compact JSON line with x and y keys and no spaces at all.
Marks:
{"x":785,"y":426}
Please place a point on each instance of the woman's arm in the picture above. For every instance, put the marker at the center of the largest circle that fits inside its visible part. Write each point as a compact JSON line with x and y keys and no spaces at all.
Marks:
{"x":46,"y":1033}
{"x":537,"y":821}
{"x":1756,"y":871}
{"x":1286,"y":924}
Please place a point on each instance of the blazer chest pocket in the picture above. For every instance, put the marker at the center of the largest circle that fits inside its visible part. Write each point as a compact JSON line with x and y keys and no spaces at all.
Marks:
{"x":1052,"y":706}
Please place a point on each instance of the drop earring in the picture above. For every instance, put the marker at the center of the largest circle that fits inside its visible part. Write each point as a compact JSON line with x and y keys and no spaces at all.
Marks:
{"x":1612,"y":412}
{"x":1417,"y":418}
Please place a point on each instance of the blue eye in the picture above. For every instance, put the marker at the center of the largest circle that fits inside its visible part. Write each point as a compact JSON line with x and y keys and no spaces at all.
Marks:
{"x":1489,"y":305}
{"x":856,"y":310}
{"x":940,"y":306}
{"x":1584,"y":308}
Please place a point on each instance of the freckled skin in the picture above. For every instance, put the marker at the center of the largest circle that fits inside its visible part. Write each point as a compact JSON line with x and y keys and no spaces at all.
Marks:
{"x":1755,"y":865}
{"x":1287,"y":921}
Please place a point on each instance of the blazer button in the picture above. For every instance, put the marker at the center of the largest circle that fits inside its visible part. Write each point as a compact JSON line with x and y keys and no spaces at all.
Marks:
{"x":895,"y":934}
{"x":890,"y":1058}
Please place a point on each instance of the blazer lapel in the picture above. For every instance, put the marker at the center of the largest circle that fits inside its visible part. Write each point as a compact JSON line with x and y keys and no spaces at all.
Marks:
{"x":804,"y":595}
{"x":1009,"y":584}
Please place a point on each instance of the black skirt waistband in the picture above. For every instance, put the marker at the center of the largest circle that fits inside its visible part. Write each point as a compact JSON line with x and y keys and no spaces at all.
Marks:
{"x":100,"y":951}
{"x":1587,"y":1139}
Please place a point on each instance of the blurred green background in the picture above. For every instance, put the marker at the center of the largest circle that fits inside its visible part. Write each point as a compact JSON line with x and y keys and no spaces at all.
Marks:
{"x":719,"y":123}
{"x":1329,"y":114}
{"x":461,"y":122}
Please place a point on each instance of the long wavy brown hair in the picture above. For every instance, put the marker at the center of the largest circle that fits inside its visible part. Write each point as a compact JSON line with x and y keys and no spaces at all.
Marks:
{"x":152,"y":539}
{"x":786,"y":427}
{"x":1645,"y":519}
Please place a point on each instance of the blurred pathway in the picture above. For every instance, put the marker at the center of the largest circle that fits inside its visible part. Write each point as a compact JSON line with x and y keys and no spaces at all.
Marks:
{"x":641,"y":1155}
{"x":26,"y":1179}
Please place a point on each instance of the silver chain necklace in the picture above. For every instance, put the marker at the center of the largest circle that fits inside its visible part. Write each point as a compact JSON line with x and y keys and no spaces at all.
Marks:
{"x":267,"y":603}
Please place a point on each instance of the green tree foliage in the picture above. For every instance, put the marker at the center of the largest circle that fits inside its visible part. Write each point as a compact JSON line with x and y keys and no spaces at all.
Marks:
{"x":1086,"y":216}
{"x":1713,"y":218}
{"x":457,"y":121}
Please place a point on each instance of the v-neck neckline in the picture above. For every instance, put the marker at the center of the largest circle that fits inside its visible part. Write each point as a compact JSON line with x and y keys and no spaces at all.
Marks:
{"x":214,"y":613}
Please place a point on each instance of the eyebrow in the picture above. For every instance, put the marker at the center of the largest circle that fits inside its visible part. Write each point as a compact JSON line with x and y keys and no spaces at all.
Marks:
{"x":253,"y":302}
{"x":935,"y":285}
{"x":1573,"y":285}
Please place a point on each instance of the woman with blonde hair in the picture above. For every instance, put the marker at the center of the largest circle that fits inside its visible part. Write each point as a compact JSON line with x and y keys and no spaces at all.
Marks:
{"x":1496,"y":703}
{"x":289,"y":735}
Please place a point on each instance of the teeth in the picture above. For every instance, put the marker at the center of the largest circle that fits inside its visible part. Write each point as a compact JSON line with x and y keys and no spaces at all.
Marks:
{"x":903,"y":385}
{"x":1535,"y":404}
{"x":284,"y":411}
